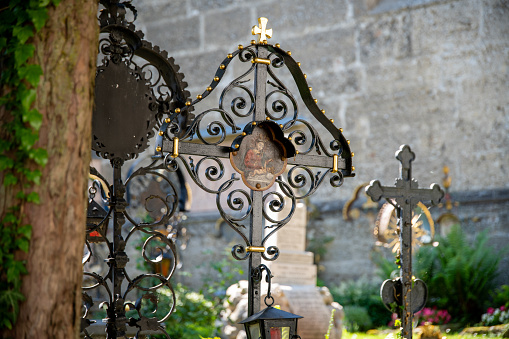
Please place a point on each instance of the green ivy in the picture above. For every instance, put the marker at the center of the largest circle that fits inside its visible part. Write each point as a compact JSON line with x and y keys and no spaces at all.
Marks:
{"x":20,"y":20}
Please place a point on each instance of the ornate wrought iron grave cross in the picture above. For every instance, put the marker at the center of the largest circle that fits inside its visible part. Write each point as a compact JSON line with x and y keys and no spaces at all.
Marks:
{"x":274,"y":141}
{"x":406,"y":194}
{"x":140,"y":92}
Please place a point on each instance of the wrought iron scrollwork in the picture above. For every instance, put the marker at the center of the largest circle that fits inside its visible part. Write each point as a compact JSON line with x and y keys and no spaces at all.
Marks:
{"x":132,"y":72}
{"x":197,"y":143}
{"x":280,"y":106}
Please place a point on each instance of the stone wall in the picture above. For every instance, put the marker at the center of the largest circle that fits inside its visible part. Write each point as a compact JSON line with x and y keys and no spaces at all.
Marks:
{"x":349,"y":255}
{"x":429,"y":73}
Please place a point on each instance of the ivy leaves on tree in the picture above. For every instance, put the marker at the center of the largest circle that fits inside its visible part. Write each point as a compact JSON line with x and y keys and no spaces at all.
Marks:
{"x":20,"y":160}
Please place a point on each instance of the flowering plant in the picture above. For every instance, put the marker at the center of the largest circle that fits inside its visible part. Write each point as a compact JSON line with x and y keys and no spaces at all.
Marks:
{"x":495,"y":316}
{"x":432,"y":316}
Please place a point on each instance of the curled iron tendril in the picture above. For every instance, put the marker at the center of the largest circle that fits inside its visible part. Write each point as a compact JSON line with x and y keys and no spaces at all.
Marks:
{"x":214,"y":128}
{"x":213,"y":172}
{"x":272,"y":253}
{"x":239,"y":252}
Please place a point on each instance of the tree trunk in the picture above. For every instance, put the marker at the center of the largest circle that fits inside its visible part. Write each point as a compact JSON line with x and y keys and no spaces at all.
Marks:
{"x":66,"y":49}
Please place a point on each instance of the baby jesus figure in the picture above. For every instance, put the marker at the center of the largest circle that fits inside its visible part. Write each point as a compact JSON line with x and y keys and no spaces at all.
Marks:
{"x":256,"y":161}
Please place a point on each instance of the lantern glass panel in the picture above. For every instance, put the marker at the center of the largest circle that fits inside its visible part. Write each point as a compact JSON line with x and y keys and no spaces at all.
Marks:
{"x":280,"y":333}
{"x":254,"y":331}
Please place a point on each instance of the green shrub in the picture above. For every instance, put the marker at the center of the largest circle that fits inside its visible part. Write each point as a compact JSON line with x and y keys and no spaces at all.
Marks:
{"x":501,"y":296}
{"x":357,"y":319}
{"x":194,"y":315}
{"x":459,"y":275}
{"x":365,"y":294}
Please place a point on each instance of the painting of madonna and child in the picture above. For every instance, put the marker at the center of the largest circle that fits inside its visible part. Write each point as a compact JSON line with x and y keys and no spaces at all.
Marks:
{"x":259,"y":159}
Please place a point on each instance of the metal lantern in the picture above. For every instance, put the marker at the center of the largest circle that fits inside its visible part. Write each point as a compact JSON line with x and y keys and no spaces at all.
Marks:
{"x":271,"y":323}
{"x":97,"y":223}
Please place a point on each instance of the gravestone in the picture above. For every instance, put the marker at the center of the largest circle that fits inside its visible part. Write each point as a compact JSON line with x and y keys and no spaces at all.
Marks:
{"x":294,"y":265}
{"x":296,"y":275}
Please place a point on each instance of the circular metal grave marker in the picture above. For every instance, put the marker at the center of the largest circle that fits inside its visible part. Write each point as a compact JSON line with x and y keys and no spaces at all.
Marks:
{"x":391,"y":294}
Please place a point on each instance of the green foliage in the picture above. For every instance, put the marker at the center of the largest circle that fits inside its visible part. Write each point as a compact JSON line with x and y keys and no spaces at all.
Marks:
{"x":318,"y":246}
{"x":197,"y":313}
{"x":366,"y":294}
{"x":195,"y":316}
{"x":19,"y":21}
{"x":386,"y":269}
{"x":459,"y":275}
{"x":357,"y":319}
{"x":222,"y":274}
{"x":501,"y":296}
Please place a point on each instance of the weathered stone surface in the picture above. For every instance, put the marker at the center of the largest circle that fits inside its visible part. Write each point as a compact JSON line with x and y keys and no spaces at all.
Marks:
{"x":294,"y":17}
{"x":160,"y":9}
{"x":495,"y":28}
{"x":334,"y":48}
{"x":293,"y":274}
{"x":430,"y":73}
{"x":199,"y":71}
{"x":182,"y":36}
{"x":203,"y":5}
{"x":227,"y":27}
{"x":328,"y":84}
{"x":385,"y":38}
{"x":445,"y":27}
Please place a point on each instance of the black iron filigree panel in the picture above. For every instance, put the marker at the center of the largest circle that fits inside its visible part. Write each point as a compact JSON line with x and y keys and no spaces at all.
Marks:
{"x":136,"y":86}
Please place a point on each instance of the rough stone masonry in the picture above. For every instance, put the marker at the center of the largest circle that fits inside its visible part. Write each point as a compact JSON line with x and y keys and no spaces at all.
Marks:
{"x":433,"y":74}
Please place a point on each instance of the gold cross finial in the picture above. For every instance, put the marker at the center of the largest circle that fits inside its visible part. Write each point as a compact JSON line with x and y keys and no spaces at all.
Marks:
{"x":262,"y":30}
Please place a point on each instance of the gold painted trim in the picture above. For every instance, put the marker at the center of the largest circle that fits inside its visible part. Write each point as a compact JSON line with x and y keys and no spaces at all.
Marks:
{"x":335,"y":163}
{"x":261,"y":61}
{"x":259,"y":249}
{"x":175,"y":148}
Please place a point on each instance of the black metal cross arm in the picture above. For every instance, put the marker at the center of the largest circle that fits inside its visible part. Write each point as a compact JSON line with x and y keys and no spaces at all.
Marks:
{"x":406,"y":190}
{"x":413,"y":195}
{"x":190,"y":148}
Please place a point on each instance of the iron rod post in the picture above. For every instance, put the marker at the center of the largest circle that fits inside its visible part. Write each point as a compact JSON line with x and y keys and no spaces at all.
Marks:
{"x":255,"y":259}
{"x":405,"y":225}
{"x":256,"y":220}
{"x":116,"y":325}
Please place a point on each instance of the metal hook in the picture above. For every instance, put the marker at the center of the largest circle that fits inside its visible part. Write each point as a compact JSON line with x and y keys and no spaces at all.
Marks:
{"x":257,"y":277}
